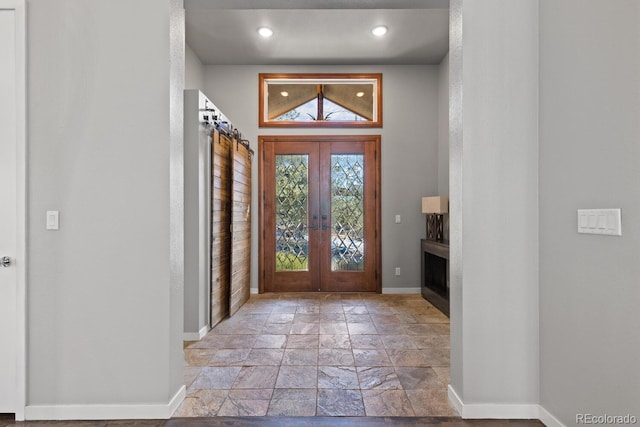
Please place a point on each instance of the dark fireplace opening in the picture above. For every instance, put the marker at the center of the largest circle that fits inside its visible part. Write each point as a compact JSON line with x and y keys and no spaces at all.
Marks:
{"x":436,"y":274}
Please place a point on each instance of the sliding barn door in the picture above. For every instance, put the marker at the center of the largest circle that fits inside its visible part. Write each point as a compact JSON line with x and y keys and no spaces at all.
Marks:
{"x":240,"y":226}
{"x":220,"y":221}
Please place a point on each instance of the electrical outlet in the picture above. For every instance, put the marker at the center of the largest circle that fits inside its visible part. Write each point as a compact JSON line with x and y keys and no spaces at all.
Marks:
{"x":397,"y":271}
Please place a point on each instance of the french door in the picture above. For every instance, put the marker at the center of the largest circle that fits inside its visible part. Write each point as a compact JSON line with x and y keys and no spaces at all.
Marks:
{"x":319,"y":213}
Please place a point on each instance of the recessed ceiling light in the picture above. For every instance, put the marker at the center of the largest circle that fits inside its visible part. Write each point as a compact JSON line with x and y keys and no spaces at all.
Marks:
{"x":284,"y":93}
{"x":265,"y":32}
{"x":379,"y":31}
{"x":360,"y":94}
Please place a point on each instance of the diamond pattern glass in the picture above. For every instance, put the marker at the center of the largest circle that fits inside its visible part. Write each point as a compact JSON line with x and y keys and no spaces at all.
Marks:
{"x":292,"y":212}
{"x":347,"y":212}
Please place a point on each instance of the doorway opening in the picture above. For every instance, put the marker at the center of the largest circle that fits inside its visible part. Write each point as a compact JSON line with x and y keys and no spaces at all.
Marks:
{"x":319,"y":214}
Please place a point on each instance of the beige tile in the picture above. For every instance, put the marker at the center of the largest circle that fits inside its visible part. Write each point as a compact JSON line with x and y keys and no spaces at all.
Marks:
{"x":398,"y":341}
{"x":368,"y":357}
{"x":293,"y":402}
{"x":229,"y":357}
{"x":355,"y":309}
{"x":297,"y":377}
{"x":378,"y":378}
{"x":387,"y":403}
{"x":306,"y":318}
{"x":419,"y":329}
{"x":366,"y":342}
{"x":340,"y":403}
{"x":343,"y":377}
{"x":218,"y":377}
{"x":256,"y":377}
{"x":201,"y":403}
{"x":197,"y":356}
{"x":358,"y":318}
{"x":443,"y":373}
{"x":304,"y":328}
{"x":332,"y":317}
{"x":300,"y":356}
{"x":416,"y":358}
{"x":264,"y":356}
{"x":441,"y":328}
{"x":333,"y":328}
{"x":361,"y":328}
{"x":413,"y":378}
{"x":430,"y":402}
{"x":391,"y":329}
{"x":335,"y":357}
{"x":302,"y":341}
{"x":270,"y":341}
{"x":335,"y":341}
{"x":431,"y":341}
{"x":281,"y":318}
{"x":232,"y":341}
{"x":276,"y":328}
{"x":308,"y":309}
{"x":189,"y":374}
{"x":246,"y":403}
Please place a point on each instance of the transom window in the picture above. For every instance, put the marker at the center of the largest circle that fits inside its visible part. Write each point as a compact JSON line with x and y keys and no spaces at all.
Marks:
{"x":320,"y":100}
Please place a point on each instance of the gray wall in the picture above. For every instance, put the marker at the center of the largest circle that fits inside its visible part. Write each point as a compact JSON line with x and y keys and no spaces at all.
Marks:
{"x":194,"y":70}
{"x":589,"y":156}
{"x":443,"y":127}
{"x":105,"y":292}
{"x":409,"y":150}
{"x":197,"y":217}
{"x":494,"y":203}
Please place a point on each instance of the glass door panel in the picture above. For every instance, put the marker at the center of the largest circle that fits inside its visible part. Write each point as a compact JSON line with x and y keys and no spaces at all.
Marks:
{"x":292,"y":212}
{"x":347,"y":212}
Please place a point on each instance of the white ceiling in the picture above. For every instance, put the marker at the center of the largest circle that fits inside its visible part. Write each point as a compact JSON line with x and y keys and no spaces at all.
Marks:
{"x":318,"y":32}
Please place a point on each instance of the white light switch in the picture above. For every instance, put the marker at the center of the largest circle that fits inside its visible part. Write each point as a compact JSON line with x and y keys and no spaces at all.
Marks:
{"x":600,"y":221}
{"x":398,"y":219}
{"x":53,"y":220}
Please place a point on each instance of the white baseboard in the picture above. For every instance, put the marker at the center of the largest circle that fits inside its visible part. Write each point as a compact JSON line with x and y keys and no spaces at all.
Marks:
{"x":415,"y":290}
{"x":254,"y":291}
{"x":549,"y":420}
{"x":492,"y":410}
{"x":196,"y":336}
{"x":106,"y":412}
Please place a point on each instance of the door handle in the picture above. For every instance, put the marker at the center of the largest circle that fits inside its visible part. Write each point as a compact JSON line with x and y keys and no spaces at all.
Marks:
{"x":5,"y":261}
{"x":314,"y":225}
{"x":324,"y":222}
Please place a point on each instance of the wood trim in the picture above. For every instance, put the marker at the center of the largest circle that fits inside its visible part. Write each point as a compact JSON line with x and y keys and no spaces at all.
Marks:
{"x":318,"y":124}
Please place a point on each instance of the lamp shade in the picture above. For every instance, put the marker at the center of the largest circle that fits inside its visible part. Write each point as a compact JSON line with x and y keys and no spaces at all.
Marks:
{"x":436,"y":204}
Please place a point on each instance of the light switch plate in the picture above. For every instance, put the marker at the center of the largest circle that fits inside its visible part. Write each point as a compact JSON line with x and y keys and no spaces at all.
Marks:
{"x":600,"y":221}
{"x":53,"y":220}
{"x":398,"y":219}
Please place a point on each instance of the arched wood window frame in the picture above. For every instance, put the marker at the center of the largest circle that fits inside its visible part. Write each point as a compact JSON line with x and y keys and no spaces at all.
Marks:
{"x":264,"y":79}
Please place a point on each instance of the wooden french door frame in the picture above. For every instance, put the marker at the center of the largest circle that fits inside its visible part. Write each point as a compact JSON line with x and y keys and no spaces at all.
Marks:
{"x":296,"y":144}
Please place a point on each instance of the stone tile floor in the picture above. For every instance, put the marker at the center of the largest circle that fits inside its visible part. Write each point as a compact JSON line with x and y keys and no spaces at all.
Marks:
{"x":333,"y":355}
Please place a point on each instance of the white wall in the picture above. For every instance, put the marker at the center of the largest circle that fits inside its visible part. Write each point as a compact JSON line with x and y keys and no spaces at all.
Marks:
{"x":409,"y":150}
{"x":589,"y":151}
{"x":494,"y":206}
{"x":443,"y":127}
{"x":194,"y":70}
{"x":105,"y":291}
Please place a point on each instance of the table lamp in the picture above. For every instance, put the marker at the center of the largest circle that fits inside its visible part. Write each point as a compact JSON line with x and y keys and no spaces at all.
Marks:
{"x":434,"y":207}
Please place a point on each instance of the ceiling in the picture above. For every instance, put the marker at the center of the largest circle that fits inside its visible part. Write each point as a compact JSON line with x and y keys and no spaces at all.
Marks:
{"x":318,"y":32}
